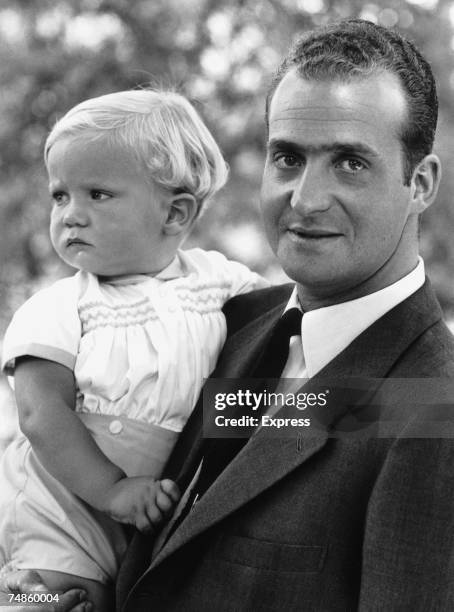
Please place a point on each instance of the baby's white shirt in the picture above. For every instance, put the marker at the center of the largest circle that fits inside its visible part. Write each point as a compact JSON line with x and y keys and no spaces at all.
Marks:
{"x":140,"y":346}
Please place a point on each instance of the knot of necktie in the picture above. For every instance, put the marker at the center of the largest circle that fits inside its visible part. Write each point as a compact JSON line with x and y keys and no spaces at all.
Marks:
{"x":275,"y":353}
{"x":290,"y":322}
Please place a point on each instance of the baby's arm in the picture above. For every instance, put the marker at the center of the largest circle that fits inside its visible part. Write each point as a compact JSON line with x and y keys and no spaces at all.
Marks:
{"x":45,"y":394}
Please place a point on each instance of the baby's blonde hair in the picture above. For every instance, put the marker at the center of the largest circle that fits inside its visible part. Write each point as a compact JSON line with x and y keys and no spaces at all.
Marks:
{"x":161,"y":129}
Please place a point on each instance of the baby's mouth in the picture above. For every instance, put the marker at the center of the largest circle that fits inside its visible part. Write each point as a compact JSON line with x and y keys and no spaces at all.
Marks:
{"x":76,"y":241}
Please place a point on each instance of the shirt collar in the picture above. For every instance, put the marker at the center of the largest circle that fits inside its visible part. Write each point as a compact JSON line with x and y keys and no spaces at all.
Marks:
{"x":327,"y":331}
{"x":173,"y":270}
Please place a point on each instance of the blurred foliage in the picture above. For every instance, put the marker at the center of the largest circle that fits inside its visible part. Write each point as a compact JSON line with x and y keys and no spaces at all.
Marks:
{"x":221,"y":54}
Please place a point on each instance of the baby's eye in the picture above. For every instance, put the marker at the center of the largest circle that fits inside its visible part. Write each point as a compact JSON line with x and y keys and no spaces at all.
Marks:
{"x":286,"y":161}
{"x":96,"y":194}
{"x":58,"y":197}
{"x":351,"y":165}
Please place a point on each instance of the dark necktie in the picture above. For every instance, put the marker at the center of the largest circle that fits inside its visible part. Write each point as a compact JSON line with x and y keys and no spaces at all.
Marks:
{"x":275,"y":354}
{"x":218,"y":452}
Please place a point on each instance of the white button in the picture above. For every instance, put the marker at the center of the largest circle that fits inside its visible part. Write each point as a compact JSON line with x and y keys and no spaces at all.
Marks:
{"x":172,"y":307}
{"x":116,"y":427}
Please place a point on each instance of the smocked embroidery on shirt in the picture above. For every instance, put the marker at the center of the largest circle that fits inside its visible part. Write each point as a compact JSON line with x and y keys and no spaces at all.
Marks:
{"x":202,"y":301}
{"x":204,"y":298}
{"x":204,"y":285}
{"x":96,"y":314}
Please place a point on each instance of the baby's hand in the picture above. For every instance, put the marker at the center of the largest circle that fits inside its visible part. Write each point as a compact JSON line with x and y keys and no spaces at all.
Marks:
{"x":141,"y":501}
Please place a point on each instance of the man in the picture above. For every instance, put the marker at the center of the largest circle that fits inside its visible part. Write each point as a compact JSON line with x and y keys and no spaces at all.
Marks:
{"x":321,"y":523}
{"x":326,"y":523}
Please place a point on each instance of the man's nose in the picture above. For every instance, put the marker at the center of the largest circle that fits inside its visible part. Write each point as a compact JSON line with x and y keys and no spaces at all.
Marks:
{"x":311,"y":193}
{"x":75,"y":213}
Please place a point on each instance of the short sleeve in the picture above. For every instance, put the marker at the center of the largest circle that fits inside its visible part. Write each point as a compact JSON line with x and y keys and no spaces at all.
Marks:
{"x":242,"y":279}
{"x":46,"y":326}
{"x":234,"y":276}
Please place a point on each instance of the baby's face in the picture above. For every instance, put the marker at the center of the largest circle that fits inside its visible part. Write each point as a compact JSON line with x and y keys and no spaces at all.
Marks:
{"x":106,"y":218}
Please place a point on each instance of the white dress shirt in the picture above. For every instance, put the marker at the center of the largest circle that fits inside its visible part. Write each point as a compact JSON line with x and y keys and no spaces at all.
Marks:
{"x":327,"y":331}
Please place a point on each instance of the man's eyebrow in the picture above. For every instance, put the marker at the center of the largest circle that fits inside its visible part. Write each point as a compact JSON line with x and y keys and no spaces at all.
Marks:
{"x":278,"y":144}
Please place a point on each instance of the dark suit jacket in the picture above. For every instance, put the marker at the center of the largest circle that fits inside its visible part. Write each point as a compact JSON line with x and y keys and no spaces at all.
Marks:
{"x":320,"y":523}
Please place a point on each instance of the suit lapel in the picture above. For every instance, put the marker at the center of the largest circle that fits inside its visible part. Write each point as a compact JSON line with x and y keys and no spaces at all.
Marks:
{"x":242,"y":350}
{"x":264,"y":460}
{"x":231,"y":490}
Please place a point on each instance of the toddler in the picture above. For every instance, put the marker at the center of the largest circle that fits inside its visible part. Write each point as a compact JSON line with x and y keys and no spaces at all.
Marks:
{"x":109,"y":363}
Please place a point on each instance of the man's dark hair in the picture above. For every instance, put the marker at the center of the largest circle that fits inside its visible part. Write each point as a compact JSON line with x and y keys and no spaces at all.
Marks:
{"x":356,"y":48}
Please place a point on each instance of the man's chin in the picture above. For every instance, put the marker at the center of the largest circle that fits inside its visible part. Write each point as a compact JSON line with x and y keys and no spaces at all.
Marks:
{"x":315,"y":274}
{"x":318,"y":286}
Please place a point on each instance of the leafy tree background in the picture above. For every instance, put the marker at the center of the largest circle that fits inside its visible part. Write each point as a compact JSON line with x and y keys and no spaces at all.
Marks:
{"x":221,"y":54}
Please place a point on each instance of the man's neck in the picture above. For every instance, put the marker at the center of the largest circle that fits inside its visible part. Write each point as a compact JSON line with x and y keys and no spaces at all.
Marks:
{"x":312,"y":299}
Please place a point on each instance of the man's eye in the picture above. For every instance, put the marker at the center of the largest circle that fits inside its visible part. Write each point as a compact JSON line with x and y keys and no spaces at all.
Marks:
{"x":351,"y":165}
{"x":95,"y":194}
{"x":285,"y":161}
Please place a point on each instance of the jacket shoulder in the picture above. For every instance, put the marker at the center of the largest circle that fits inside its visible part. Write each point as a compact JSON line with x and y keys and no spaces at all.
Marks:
{"x":431,"y":355}
{"x":242,"y":309}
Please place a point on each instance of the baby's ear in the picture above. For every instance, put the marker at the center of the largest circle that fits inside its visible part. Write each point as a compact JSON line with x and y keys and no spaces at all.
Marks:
{"x":182,"y":211}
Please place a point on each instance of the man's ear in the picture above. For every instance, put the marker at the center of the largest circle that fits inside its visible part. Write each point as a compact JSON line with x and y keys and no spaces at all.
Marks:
{"x":425,"y":182}
{"x":182,"y":211}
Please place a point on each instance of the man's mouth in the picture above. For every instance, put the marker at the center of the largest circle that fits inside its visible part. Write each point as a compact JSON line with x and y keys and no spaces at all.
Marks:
{"x":312,"y":233}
